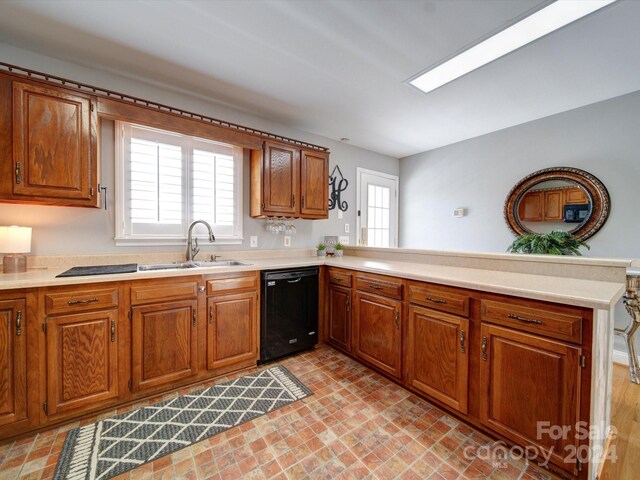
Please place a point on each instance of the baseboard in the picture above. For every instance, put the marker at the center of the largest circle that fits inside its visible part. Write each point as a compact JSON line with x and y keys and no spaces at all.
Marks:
{"x":621,"y":357}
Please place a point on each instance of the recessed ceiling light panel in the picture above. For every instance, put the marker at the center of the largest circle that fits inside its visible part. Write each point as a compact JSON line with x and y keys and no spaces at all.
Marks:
{"x":536,"y":25}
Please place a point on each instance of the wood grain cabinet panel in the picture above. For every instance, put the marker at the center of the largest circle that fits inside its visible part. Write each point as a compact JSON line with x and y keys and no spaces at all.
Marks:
{"x":553,"y":205}
{"x":437,"y":356}
{"x":378,"y":332}
{"x":82,"y":360}
{"x":13,"y":361}
{"x":530,"y":208}
{"x":575,"y":196}
{"x":340,"y":317}
{"x":54,"y":145}
{"x":232,"y":335}
{"x":163,"y":343}
{"x":525,"y":380}
{"x":314,"y":188}
{"x":281,"y":179}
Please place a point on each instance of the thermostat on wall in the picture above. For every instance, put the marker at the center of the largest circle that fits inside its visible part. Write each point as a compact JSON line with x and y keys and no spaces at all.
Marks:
{"x":459,"y":212}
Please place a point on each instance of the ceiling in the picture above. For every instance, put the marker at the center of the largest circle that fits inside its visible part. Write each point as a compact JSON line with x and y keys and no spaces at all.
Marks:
{"x":339,"y":68}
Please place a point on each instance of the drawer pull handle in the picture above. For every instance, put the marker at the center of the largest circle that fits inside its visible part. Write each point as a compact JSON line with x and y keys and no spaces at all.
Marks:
{"x":525,"y":320}
{"x":77,"y":302}
{"x":435,"y":300}
{"x":113,"y":330}
{"x":462,"y":341}
{"x":194,"y":318}
{"x":347,"y":302}
{"x":19,"y":323}
{"x":397,"y":320}
{"x":484,"y":348}
{"x":376,"y":287}
{"x":211,"y":314}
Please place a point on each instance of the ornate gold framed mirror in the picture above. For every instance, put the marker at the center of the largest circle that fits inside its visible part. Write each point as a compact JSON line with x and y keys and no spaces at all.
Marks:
{"x":559,"y":198}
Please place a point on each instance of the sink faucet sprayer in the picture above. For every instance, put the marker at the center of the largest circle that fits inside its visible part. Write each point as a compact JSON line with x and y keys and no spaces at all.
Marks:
{"x":192,"y":250}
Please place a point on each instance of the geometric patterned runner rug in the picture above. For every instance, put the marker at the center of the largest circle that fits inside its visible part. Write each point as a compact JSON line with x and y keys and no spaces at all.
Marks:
{"x":115,"y":445}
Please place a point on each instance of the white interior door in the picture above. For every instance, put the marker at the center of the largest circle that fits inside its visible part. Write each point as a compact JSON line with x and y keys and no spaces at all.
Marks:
{"x":377,"y":209}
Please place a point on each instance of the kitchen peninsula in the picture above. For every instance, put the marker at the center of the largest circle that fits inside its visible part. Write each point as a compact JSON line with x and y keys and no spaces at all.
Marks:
{"x":503,"y":342}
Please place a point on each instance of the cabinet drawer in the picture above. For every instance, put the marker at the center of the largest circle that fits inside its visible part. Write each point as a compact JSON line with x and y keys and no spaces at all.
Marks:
{"x":386,"y":288}
{"x":163,"y":292}
{"x":340,"y":278}
{"x":542,"y":321}
{"x":80,"y":300}
{"x":226,"y":282}
{"x":439,"y":299}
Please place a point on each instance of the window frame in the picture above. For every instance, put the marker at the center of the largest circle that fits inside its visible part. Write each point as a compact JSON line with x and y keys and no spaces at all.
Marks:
{"x":123,"y":232}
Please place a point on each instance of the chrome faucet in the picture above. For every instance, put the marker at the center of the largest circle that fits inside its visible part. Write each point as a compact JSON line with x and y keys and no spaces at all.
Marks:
{"x":192,"y":244}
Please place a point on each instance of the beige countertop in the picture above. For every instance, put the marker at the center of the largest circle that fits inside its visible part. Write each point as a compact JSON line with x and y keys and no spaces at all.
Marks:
{"x":570,"y":291}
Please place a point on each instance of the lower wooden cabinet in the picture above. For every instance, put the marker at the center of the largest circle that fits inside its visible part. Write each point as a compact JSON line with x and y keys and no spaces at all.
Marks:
{"x":339,"y":309}
{"x":525,"y":380}
{"x":232,"y":329}
{"x":13,"y":361}
{"x":437,"y":356}
{"x":82,"y":360}
{"x":378,"y":332}
{"x":164,"y":343}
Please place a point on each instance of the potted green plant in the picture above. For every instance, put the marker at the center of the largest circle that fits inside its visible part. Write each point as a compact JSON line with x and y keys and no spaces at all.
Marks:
{"x":339,"y":249}
{"x":555,"y":243}
{"x":322,"y":249}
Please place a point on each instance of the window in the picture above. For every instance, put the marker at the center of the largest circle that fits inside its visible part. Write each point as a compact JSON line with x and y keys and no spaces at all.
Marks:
{"x":166,"y":180}
{"x":377,"y":209}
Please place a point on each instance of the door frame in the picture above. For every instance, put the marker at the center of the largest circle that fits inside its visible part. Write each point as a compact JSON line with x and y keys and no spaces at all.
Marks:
{"x":396,"y":180}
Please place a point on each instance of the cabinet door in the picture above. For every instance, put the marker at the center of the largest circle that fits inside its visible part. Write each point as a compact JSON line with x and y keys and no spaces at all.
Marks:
{"x":526,"y":380}
{"x":530,"y":207}
{"x":378,"y":332}
{"x":281,"y":180}
{"x":82,"y":360}
{"x":437,"y":356}
{"x":13,"y":361}
{"x":232,"y":335}
{"x":575,"y":196}
{"x":54,"y":145}
{"x":314,"y":185}
{"x":340,"y":317}
{"x":164,"y":343}
{"x":553,"y":205}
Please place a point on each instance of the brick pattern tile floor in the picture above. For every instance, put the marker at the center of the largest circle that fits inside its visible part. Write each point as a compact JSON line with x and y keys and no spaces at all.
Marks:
{"x":357,"y":425}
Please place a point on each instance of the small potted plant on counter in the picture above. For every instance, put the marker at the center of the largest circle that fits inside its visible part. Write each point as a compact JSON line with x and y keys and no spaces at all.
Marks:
{"x":554,"y":243}
{"x":339,"y":249}
{"x":322,"y":250}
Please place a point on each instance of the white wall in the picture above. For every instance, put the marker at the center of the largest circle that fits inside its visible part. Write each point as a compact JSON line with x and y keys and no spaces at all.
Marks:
{"x":603,"y":139}
{"x":65,"y":230}
{"x":477,"y":174}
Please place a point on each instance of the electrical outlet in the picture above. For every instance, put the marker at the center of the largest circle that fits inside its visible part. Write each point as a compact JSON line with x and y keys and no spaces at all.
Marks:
{"x":254,"y":241}
{"x":344,"y":239}
{"x":346,"y":228}
{"x":287,"y":241}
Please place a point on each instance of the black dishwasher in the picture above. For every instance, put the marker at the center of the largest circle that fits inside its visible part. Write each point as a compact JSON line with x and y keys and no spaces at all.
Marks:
{"x":289,"y":312}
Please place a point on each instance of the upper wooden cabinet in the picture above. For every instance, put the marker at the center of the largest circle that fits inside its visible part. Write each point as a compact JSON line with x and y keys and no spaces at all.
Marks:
{"x":289,"y":182}
{"x":54,"y":146}
{"x":575,"y":195}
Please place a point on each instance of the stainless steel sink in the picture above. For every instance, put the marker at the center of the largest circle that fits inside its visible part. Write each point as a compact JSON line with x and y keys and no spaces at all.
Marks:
{"x":191,"y":264}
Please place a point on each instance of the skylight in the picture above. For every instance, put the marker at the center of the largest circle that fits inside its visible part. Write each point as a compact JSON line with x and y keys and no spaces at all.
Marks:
{"x":536,"y":25}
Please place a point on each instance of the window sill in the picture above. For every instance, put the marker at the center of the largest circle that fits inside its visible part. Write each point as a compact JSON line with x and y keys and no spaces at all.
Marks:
{"x":182,"y":242}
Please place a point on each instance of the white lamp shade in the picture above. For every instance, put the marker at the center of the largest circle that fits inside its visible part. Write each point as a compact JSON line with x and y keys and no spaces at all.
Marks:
{"x":15,"y":239}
